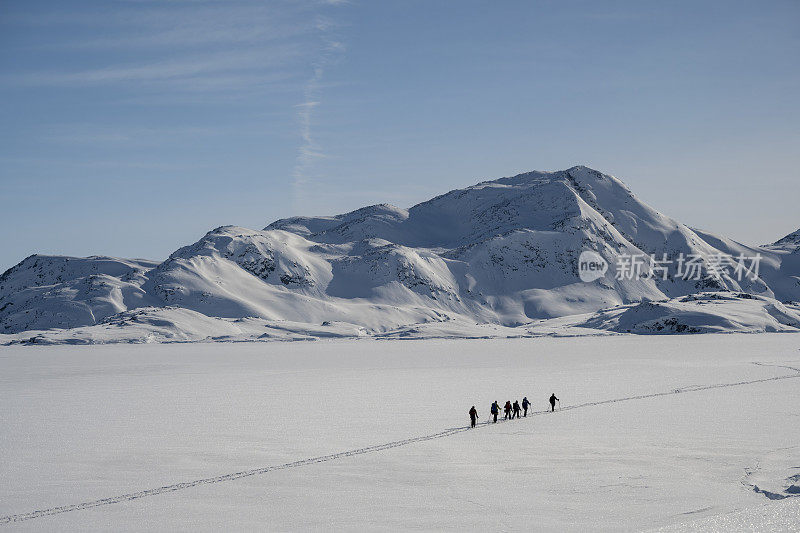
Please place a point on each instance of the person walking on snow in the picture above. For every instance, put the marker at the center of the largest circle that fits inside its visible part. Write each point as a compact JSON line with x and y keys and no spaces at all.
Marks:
{"x":516,"y":410}
{"x":553,"y":401}
{"x":494,"y":410}
{"x":473,"y":416}
{"x":525,"y":405}
{"x":507,"y":410}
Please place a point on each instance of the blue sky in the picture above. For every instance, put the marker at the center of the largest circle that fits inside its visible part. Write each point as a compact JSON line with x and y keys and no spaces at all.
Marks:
{"x":130,"y":128}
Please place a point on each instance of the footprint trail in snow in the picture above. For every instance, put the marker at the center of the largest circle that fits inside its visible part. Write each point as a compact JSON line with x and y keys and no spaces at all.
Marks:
{"x":369,"y":449}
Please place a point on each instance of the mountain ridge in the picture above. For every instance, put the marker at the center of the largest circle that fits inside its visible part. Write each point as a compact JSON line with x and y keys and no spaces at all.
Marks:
{"x":500,"y":252}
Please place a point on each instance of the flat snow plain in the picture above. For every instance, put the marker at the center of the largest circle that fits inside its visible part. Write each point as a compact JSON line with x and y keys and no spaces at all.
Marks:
{"x":79,"y":424}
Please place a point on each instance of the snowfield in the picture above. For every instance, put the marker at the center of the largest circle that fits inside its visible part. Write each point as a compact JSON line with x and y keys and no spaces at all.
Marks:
{"x":670,"y":433}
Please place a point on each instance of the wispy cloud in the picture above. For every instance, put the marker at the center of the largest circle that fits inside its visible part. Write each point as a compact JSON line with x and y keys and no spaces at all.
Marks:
{"x":174,"y":46}
{"x":107,"y":134}
{"x":309,"y":151}
{"x":191,"y":66}
{"x":227,"y":24}
{"x":153,"y":70}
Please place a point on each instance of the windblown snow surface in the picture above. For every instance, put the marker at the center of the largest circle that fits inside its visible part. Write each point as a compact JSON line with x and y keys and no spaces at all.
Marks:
{"x":498,"y":259}
{"x":663,"y":433}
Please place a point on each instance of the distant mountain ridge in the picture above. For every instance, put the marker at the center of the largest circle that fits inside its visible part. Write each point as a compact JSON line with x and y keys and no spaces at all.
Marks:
{"x":500,"y":252}
{"x":792,"y":240}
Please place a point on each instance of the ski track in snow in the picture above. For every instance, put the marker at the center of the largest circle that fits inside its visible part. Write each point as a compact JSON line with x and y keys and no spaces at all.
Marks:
{"x":369,"y":449}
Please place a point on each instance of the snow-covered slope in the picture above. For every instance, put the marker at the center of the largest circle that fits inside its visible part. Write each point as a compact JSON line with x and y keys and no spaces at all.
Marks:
{"x":65,"y":292}
{"x":699,"y":313}
{"x":501,"y":252}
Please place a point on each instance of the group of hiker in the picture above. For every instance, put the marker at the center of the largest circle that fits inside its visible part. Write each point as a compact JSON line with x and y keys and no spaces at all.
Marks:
{"x":511,"y":410}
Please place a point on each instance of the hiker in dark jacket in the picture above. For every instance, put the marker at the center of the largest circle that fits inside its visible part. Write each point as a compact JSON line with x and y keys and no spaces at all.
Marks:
{"x":494,"y":410}
{"x":473,"y":416}
{"x":507,"y":410}
{"x":516,"y":410}
{"x":525,"y":405}
{"x":553,"y":401}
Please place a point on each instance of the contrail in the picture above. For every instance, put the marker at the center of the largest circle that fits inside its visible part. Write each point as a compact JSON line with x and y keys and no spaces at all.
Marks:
{"x":309,"y":151}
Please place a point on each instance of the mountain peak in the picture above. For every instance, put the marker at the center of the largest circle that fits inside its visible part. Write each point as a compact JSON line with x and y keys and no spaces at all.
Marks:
{"x":793,"y":239}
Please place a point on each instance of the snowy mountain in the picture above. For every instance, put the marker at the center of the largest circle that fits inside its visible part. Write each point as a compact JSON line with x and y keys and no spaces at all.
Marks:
{"x":501,"y":255}
{"x":45,"y":292}
{"x":791,"y":241}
